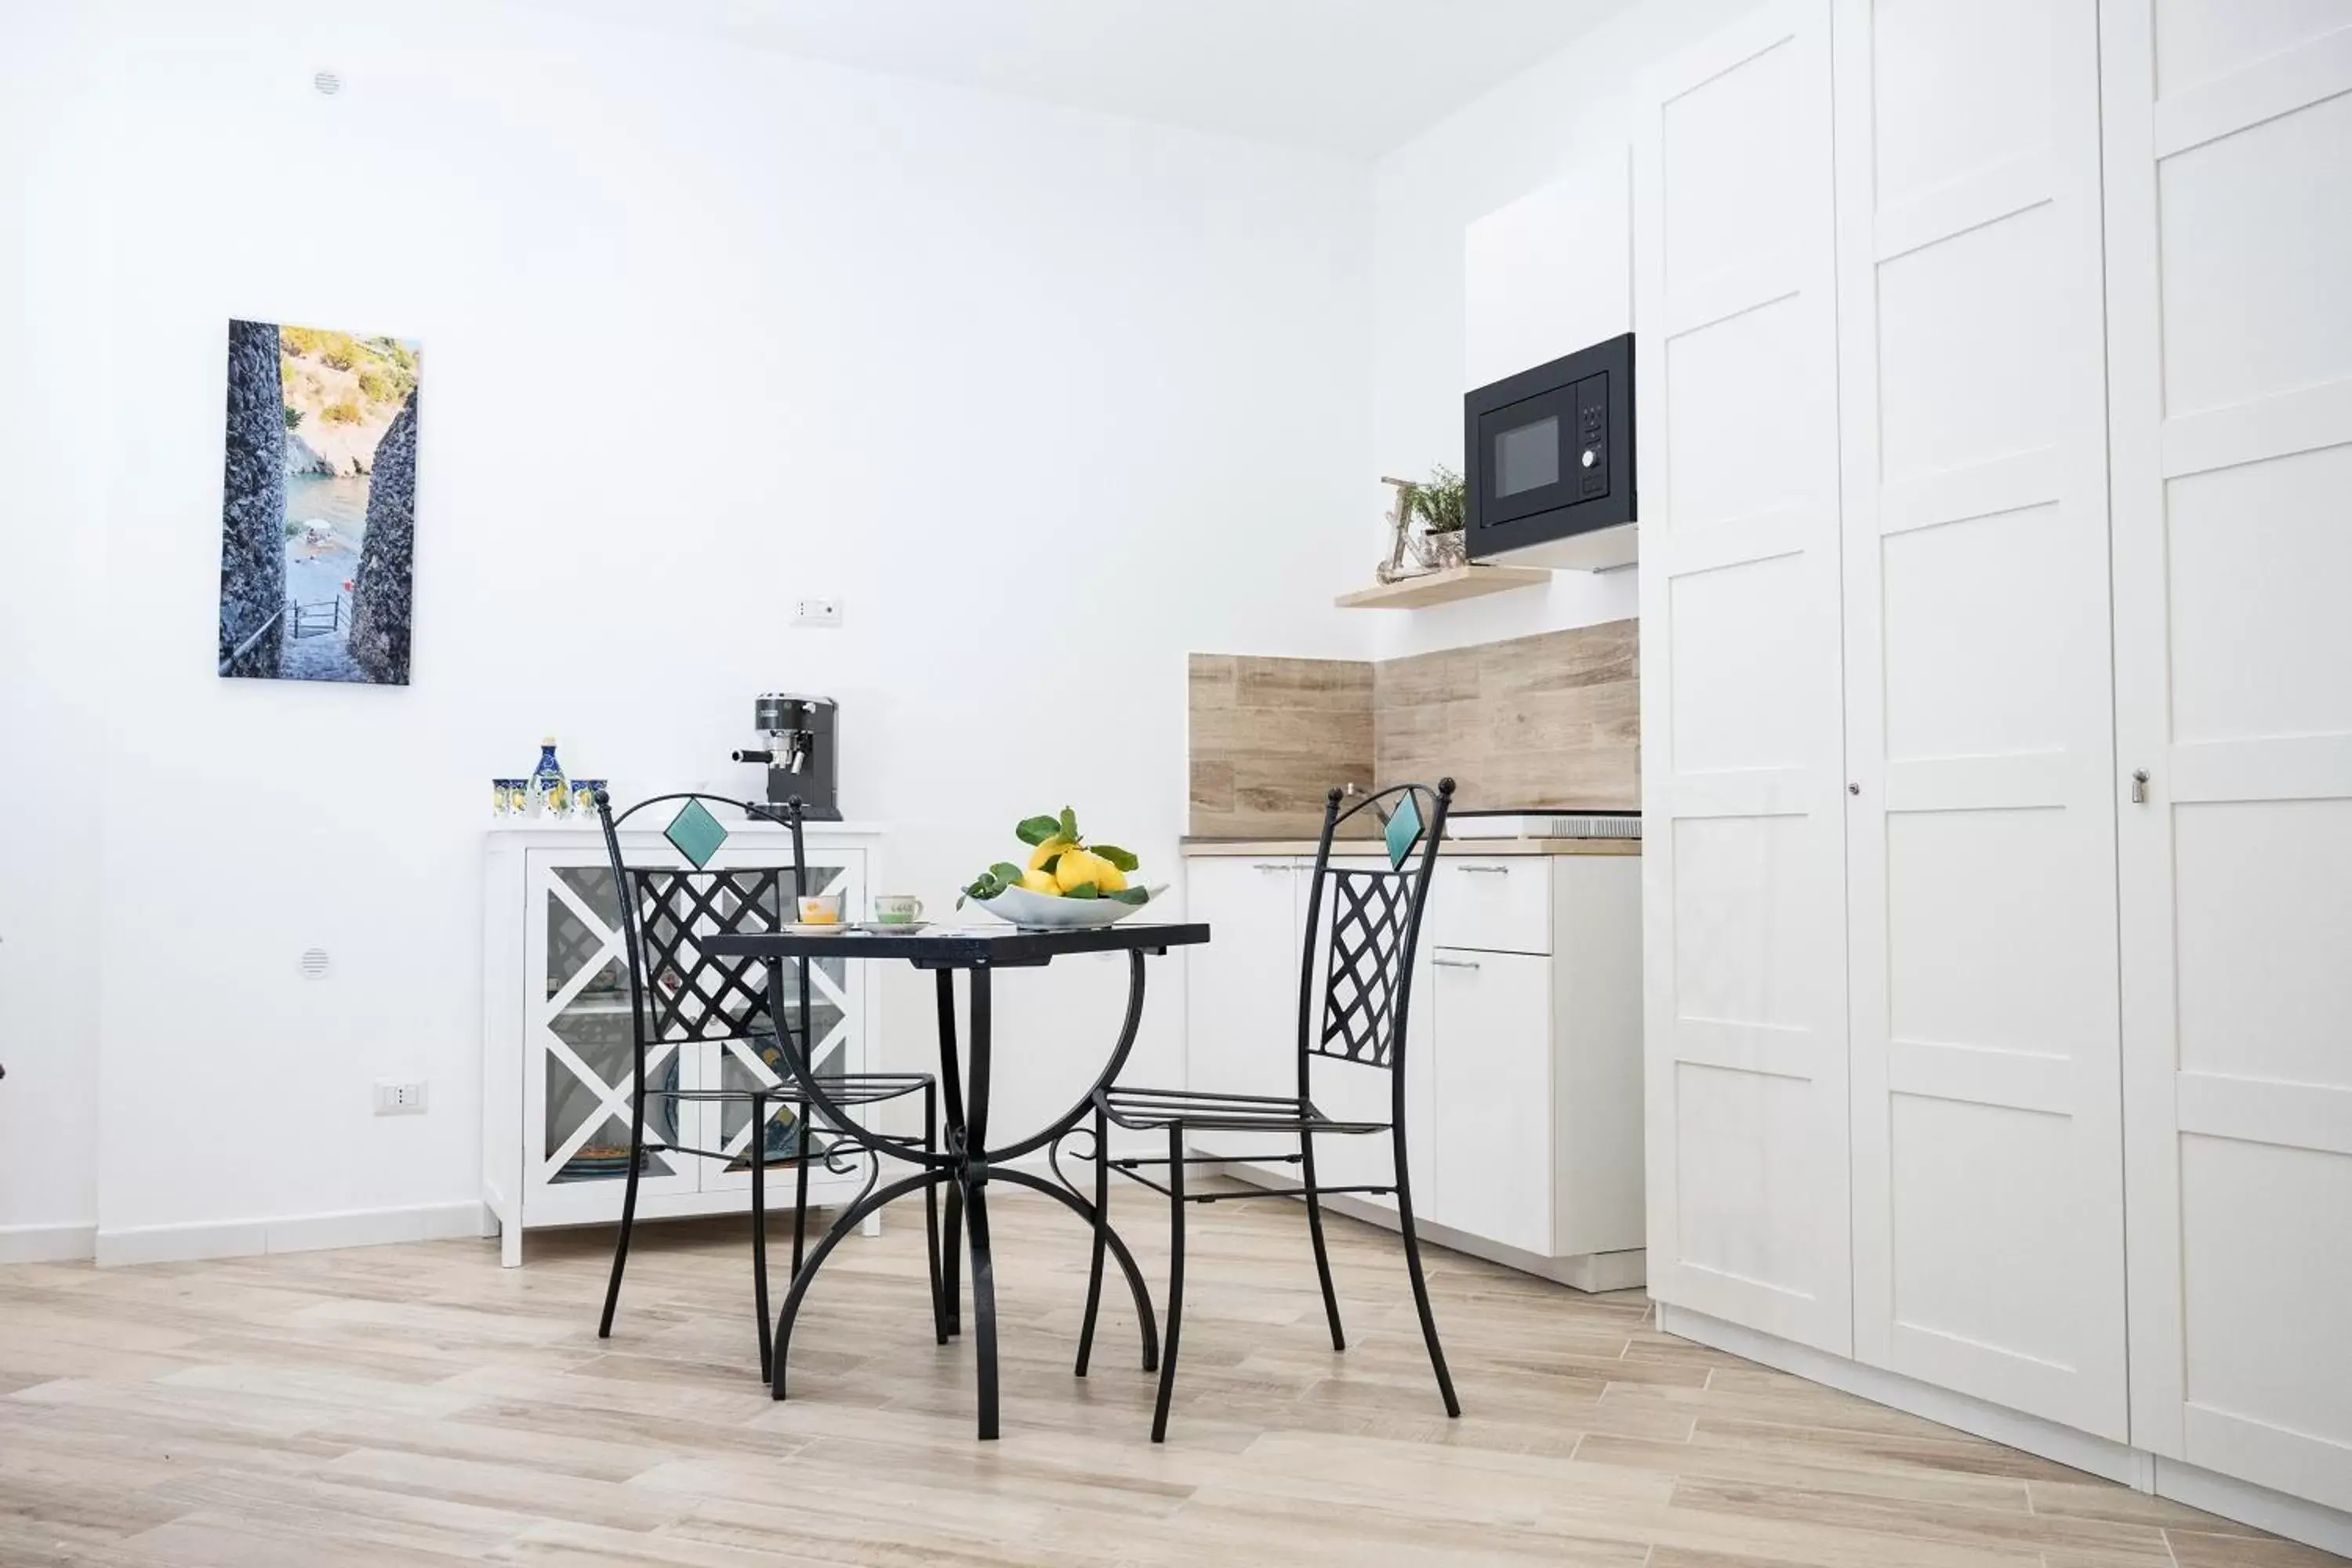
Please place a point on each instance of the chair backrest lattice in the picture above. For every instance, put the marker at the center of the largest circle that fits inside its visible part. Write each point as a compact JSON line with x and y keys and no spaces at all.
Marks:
{"x":688,"y":994}
{"x":679,"y":990}
{"x":1365,"y":981}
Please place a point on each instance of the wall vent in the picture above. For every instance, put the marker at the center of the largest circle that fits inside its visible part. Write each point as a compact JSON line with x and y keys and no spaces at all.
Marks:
{"x":314,"y":964}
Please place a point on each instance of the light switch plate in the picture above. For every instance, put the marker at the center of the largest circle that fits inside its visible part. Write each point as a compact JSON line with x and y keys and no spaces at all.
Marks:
{"x":393,"y":1098}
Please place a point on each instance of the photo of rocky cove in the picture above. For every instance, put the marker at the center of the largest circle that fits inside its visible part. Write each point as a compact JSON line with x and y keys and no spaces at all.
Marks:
{"x":318,"y":505}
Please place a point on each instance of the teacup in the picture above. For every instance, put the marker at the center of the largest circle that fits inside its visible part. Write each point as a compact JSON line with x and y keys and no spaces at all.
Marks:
{"x":896,"y":908}
{"x":820,"y":909}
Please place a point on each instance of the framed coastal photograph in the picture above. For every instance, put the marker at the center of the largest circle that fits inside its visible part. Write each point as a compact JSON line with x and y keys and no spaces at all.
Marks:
{"x":318,"y":505}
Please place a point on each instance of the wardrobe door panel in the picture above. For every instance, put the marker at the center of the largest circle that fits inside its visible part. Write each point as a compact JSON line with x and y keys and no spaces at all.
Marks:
{"x":1744,"y":949}
{"x":1987,"y":1203}
{"x":2229,"y":231}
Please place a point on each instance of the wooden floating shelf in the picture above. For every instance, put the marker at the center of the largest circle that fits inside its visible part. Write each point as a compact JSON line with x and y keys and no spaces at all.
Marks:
{"x":1442,"y":587}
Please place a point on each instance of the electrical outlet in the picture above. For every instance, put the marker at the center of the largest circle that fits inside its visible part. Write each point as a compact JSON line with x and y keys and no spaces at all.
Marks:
{"x":395,"y":1098}
{"x":816,"y":612}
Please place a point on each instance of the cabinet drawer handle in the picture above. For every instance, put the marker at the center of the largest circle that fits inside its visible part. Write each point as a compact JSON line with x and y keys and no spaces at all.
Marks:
{"x":1492,"y":870}
{"x":1454,"y":962}
{"x":1273,"y":866}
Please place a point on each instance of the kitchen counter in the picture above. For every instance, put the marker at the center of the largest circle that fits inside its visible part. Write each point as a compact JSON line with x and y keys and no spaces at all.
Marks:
{"x":1478,"y":847}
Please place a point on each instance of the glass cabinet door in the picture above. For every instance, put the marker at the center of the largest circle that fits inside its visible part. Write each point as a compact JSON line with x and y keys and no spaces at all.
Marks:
{"x":580,"y":1050}
{"x":583,"y":1051}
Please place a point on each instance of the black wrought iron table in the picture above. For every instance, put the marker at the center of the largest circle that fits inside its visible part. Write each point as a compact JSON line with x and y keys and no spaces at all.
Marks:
{"x":967,"y":1162}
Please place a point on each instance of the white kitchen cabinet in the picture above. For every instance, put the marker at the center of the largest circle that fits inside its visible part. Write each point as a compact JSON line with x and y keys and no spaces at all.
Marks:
{"x":1493,"y":1142}
{"x":1241,"y":990}
{"x":1523,"y":1095}
{"x":558,"y":1043}
{"x":1549,"y":274}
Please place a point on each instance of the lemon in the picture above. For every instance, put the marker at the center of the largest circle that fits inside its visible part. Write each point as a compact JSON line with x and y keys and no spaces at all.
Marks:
{"x":1111,"y":879}
{"x":1047,"y":850}
{"x":1078,"y":866}
{"x":1040,"y":882}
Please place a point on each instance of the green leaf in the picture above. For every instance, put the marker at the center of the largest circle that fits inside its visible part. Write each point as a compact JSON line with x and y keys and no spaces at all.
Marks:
{"x":1006,"y":872}
{"x":1129,"y":896}
{"x":1083,"y":890}
{"x":1036,"y":830}
{"x":1069,"y":824}
{"x":1124,"y":859}
{"x":1048,"y":863}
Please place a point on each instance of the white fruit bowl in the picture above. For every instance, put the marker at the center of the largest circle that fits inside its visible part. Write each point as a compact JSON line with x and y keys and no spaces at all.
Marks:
{"x":1041,"y":911}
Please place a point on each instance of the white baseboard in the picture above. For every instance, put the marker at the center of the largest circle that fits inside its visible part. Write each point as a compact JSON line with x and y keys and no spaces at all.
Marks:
{"x":2314,"y":1524}
{"x":2099,"y":1456}
{"x":1591,"y":1273}
{"x":289,"y":1233}
{"x":46,"y":1242}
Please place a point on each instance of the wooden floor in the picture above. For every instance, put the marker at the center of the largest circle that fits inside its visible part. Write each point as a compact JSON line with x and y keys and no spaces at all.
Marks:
{"x":420,"y":1405}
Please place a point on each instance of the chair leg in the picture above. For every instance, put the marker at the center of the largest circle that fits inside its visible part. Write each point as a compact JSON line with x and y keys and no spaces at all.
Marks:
{"x":759,"y":1148}
{"x":1102,"y":1237}
{"x":1175,"y":1280}
{"x":952,"y":1258}
{"x":1315,"y":1232}
{"x":931,"y":1217}
{"x":800,"y":1190}
{"x":1420,"y":1283}
{"x":628,"y":1205}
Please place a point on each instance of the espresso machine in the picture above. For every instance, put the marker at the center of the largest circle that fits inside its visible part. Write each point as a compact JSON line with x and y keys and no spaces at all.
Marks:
{"x":802,"y":752}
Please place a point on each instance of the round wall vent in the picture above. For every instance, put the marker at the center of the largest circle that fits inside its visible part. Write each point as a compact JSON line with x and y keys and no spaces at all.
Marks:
{"x":328,"y":83}
{"x":314,"y":964}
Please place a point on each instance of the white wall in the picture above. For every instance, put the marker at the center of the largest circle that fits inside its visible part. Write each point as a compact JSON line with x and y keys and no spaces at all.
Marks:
{"x":1047,"y":398}
{"x":49,"y":592}
{"x":1563,"y":113}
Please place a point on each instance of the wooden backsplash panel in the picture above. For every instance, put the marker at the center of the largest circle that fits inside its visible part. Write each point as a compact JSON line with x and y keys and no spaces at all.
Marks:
{"x":1268,"y":737}
{"x":1553,"y":719}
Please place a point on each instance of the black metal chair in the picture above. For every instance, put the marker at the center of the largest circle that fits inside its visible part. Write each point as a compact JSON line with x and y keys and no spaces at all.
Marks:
{"x":681,"y":994}
{"x":1364,"y":986}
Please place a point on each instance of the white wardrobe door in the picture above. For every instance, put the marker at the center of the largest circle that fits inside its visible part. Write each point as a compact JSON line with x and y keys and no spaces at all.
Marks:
{"x":1744,"y":907}
{"x":1987,"y":1143}
{"x":2229,"y":242}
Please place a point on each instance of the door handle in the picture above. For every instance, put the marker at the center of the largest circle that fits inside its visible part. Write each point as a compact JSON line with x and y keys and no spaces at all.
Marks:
{"x":1274,"y":865}
{"x":1491,"y":870}
{"x":2139,"y":787}
{"x":1454,"y":963}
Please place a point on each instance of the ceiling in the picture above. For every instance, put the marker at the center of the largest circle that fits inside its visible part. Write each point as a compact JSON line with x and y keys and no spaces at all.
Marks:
{"x":1355,"y":77}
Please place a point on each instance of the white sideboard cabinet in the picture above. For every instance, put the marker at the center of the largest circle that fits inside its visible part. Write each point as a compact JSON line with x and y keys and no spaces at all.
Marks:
{"x":557,"y":1040}
{"x":1523,"y":1048}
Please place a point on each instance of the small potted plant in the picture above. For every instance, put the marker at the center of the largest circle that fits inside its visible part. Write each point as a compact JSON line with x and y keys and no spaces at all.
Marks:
{"x":1440,"y":505}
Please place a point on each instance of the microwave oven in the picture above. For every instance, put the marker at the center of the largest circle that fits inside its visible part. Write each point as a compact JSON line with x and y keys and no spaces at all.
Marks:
{"x":1548,"y":465}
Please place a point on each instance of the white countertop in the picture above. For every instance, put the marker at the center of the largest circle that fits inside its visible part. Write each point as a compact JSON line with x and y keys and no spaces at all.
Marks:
{"x":1478,"y":847}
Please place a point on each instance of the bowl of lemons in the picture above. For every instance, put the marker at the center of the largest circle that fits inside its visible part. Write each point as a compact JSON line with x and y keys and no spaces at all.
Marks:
{"x":1067,"y":883}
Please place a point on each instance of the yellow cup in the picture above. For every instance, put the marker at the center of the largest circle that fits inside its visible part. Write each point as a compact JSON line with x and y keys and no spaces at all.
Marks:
{"x":820,"y":909}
